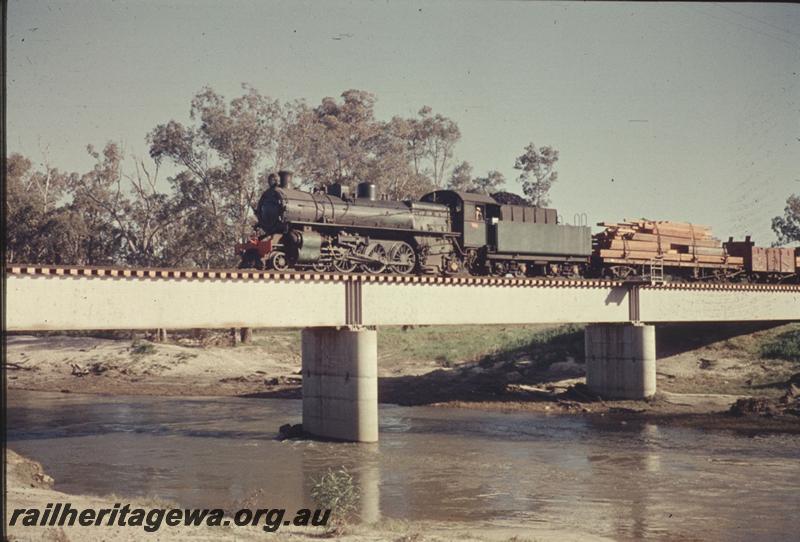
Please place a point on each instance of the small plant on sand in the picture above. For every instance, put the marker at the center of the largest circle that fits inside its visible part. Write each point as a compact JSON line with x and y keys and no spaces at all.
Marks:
{"x":445,"y":361}
{"x":336,"y":491}
{"x":183,"y":356}
{"x":142,"y":348}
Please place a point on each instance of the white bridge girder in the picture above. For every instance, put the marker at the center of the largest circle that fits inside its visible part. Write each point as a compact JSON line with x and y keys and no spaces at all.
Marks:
{"x":65,"y":299}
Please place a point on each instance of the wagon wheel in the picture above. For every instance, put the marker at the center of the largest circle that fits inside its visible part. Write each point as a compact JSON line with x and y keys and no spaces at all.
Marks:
{"x":622,"y":271}
{"x":519,"y":270}
{"x":402,"y":258}
{"x":277,"y":261}
{"x":720,"y":275}
{"x":499,"y":269}
{"x":378,"y":252}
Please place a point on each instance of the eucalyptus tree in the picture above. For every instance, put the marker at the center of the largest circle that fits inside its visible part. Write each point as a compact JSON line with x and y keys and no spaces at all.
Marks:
{"x":488,"y":183}
{"x":336,"y":141}
{"x":787,"y":227}
{"x":221,"y":157}
{"x":538,"y":173}
{"x":431,"y":143}
{"x":461,"y":177}
{"x":34,"y":199}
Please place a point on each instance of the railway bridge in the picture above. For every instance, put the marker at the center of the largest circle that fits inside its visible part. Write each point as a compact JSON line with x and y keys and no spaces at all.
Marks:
{"x":339,"y":314}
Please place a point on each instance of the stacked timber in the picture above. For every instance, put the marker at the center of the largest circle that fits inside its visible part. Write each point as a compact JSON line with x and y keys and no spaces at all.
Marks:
{"x":643,"y":241}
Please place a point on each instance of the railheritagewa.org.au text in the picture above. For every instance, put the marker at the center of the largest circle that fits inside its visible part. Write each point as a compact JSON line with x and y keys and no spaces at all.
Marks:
{"x":153,"y":519}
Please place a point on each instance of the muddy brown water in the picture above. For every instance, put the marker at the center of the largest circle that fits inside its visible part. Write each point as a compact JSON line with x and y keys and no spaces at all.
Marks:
{"x":629,"y":481}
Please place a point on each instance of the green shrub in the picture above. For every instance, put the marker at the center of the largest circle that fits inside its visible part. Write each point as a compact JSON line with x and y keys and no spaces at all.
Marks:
{"x":784,"y":346}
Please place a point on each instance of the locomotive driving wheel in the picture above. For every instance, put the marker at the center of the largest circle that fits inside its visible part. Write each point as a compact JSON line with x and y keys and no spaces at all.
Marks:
{"x":341,"y":259}
{"x":402,"y":258}
{"x":344,"y":264}
{"x":377,"y":253}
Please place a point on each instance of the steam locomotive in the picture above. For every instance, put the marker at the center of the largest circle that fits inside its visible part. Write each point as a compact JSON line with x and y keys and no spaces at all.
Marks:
{"x":446,"y":232}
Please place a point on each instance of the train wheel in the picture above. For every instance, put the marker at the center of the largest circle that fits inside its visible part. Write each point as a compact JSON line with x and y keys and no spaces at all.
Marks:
{"x":277,"y":261}
{"x":720,"y":275}
{"x":378,"y":253}
{"x":622,"y":271}
{"x":402,"y":258}
{"x":499,"y":269}
{"x":320,"y":267}
{"x":344,"y":264}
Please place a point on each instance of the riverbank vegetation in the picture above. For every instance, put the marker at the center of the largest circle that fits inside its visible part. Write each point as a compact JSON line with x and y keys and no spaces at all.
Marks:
{"x":785,"y":345}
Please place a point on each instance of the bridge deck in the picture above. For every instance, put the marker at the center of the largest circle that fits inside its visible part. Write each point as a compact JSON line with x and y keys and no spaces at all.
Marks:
{"x":60,"y":298}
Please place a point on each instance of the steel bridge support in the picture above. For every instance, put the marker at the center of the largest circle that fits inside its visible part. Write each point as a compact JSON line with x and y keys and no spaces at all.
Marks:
{"x":340,"y":383}
{"x":621,"y":360}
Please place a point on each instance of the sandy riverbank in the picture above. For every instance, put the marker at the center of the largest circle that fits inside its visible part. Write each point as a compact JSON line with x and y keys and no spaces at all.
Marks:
{"x":28,"y":486}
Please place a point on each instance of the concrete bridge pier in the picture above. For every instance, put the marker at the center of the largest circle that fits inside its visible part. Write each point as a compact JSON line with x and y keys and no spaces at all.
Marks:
{"x":340,"y":383}
{"x":621,"y":360}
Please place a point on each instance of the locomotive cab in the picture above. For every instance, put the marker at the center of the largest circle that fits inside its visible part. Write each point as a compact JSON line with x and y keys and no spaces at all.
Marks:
{"x":472,"y":215}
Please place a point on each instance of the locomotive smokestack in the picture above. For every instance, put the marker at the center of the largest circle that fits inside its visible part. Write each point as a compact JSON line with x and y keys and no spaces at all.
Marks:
{"x":285,"y":179}
{"x":366,"y":190}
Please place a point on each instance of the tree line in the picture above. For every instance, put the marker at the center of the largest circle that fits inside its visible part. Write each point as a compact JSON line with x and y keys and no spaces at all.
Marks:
{"x":120,"y":213}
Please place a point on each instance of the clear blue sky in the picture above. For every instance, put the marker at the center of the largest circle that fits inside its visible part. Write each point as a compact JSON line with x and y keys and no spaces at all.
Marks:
{"x":673,"y":111}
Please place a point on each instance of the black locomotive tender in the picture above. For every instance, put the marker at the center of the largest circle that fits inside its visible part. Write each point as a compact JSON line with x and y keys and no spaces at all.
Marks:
{"x":446,"y":232}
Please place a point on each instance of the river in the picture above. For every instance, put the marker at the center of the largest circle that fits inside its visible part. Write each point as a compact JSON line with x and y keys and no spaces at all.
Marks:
{"x":629,"y":481}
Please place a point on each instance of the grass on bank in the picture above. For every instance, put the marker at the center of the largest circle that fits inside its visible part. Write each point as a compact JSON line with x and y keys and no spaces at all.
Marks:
{"x":785,"y":345}
{"x":780,"y":342}
{"x":450,"y":345}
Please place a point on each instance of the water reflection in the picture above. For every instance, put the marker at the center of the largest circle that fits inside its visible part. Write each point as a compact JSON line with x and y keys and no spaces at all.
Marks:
{"x":623,"y":485}
{"x":629,"y":482}
{"x":362,"y":463}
